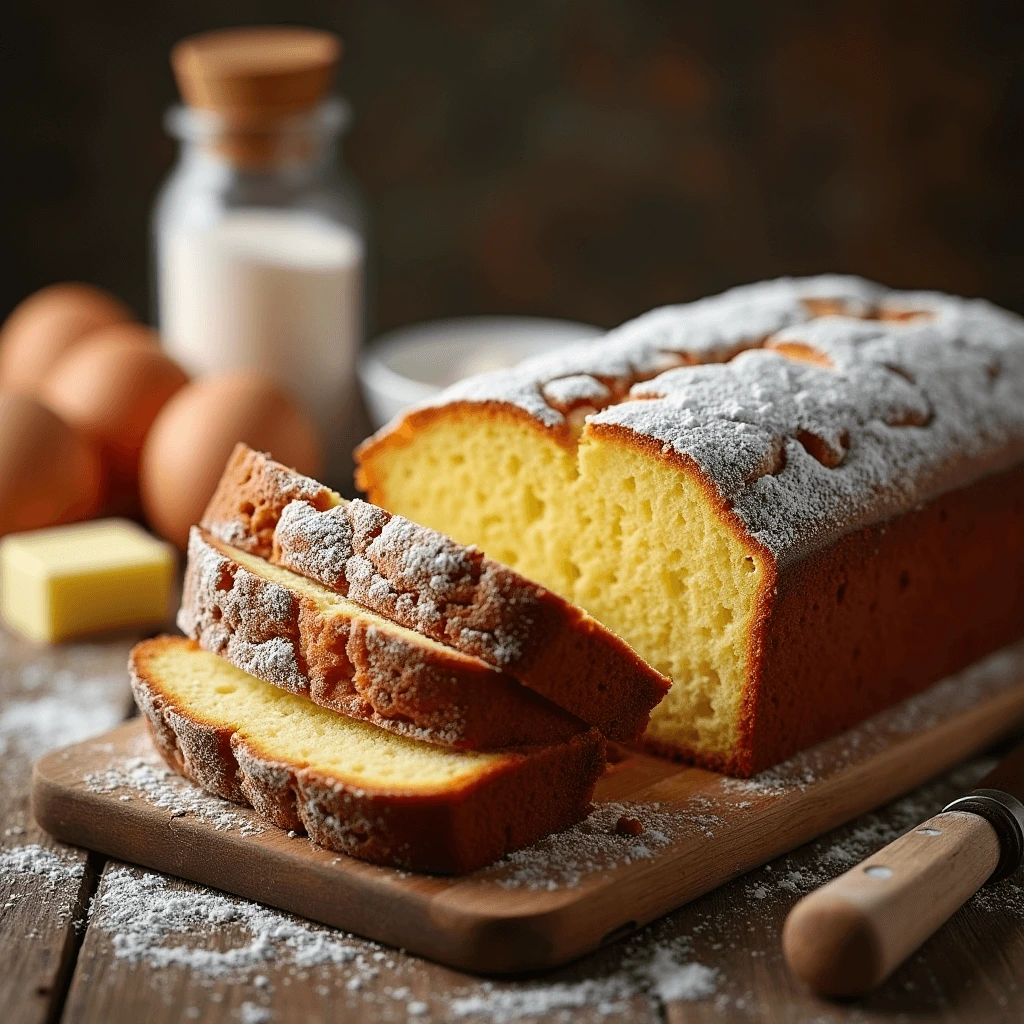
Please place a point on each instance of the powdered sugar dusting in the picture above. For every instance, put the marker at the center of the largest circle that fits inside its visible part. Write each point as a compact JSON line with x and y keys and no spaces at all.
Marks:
{"x":51,"y":867}
{"x":229,"y":531}
{"x":32,"y":875}
{"x":154,"y":921}
{"x":886,"y":414}
{"x":647,"y":971}
{"x":35,"y":726}
{"x":835,"y":853}
{"x":411,"y":574}
{"x":145,"y":777}
{"x":246,"y":619}
{"x":174,"y":927}
{"x":680,"y":983}
{"x":563,"y":860}
{"x":57,"y":696}
{"x":316,"y":544}
{"x":348,"y":658}
{"x":565,"y":392}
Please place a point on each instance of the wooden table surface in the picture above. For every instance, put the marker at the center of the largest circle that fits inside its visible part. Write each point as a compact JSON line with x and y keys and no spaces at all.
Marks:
{"x":83,"y":939}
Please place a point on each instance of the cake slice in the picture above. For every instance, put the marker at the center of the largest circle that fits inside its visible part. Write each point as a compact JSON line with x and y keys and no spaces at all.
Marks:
{"x":305,"y":638}
{"x":424,"y":581}
{"x":350,"y":786}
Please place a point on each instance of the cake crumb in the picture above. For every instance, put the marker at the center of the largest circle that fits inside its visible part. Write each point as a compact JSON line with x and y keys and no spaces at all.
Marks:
{"x":627,"y":826}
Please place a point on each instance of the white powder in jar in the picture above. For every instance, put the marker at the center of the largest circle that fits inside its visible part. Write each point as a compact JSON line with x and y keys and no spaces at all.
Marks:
{"x":278,"y":291}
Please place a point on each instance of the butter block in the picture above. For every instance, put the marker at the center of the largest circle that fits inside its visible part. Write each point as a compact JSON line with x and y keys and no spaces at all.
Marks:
{"x":67,"y":581}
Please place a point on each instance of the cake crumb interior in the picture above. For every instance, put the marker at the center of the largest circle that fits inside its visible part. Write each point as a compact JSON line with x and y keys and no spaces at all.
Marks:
{"x":291,"y":728}
{"x":631,"y":539}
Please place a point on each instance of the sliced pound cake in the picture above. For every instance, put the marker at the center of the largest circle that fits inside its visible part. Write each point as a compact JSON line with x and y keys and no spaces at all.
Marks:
{"x":420,"y":579}
{"x":299,"y":635}
{"x":353,"y":787}
{"x":801,"y":500}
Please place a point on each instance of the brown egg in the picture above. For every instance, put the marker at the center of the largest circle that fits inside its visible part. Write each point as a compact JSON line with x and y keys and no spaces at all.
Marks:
{"x":49,"y":473}
{"x":44,"y":326}
{"x":140,"y":334}
{"x":194,"y":433}
{"x":110,"y":387}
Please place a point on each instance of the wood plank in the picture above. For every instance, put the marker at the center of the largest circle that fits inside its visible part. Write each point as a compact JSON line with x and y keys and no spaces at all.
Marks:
{"x":570,"y":893}
{"x":239,"y":961}
{"x":49,"y":696}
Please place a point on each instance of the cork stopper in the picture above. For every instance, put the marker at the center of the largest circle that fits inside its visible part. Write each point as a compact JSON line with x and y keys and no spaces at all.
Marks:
{"x":254,"y":75}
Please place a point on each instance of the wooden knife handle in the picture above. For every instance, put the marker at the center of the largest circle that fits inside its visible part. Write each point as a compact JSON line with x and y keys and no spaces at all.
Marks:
{"x":848,"y":936}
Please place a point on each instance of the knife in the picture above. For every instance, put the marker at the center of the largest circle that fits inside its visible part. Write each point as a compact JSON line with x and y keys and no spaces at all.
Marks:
{"x":851,"y":934}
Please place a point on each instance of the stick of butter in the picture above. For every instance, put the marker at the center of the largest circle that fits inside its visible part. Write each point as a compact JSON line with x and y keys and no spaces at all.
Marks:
{"x":69,"y":580}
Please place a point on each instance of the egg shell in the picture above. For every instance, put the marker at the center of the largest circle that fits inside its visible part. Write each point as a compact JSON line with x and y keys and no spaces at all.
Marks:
{"x":41,"y":328}
{"x":110,"y":387}
{"x":195,"y":432}
{"x":140,"y":334}
{"x":49,"y":473}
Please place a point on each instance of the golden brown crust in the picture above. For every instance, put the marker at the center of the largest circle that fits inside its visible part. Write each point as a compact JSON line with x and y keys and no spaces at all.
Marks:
{"x":885,"y":612}
{"x":491,"y":612}
{"x":445,"y":833}
{"x":249,"y":498}
{"x":357,"y":664}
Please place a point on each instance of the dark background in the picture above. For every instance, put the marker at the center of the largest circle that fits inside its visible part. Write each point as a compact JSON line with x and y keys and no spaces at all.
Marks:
{"x":583,"y":159}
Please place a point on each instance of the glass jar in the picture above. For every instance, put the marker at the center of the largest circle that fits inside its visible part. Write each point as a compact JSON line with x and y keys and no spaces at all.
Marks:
{"x":259,"y":252}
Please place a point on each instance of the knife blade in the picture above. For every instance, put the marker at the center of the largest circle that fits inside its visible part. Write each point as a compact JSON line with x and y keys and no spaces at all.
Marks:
{"x":851,"y":934}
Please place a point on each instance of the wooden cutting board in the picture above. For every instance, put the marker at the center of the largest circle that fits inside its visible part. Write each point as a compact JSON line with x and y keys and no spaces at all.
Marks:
{"x":571,"y":893}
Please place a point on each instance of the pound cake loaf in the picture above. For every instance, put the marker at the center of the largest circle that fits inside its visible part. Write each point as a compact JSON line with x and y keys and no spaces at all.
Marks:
{"x":420,"y":579}
{"x":801,"y":500}
{"x":297,"y":634}
{"x":350,"y":786}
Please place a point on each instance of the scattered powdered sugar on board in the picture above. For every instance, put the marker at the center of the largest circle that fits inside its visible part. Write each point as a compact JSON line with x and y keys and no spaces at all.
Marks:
{"x":172,"y":926}
{"x":608,"y":996}
{"x":564,"y":859}
{"x":187,"y":934}
{"x":51,"y":867}
{"x":680,"y":983}
{"x":146,"y":777}
{"x":49,"y":704}
{"x":35,"y":726}
{"x":160,"y":921}
{"x":646,"y":969}
{"x":250,"y":1013}
{"x":852,"y":843}
{"x":153,"y":921}
{"x":37,"y":873}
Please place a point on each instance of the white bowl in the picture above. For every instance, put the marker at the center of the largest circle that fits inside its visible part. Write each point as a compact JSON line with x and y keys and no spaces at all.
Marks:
{"x":412,"y":364}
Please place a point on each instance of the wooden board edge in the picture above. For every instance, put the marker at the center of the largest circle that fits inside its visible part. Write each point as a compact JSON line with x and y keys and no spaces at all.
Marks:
{"x":482,"y":943}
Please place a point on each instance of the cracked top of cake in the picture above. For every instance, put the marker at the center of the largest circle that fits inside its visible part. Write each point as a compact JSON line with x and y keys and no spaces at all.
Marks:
{"x":813,"y":406}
